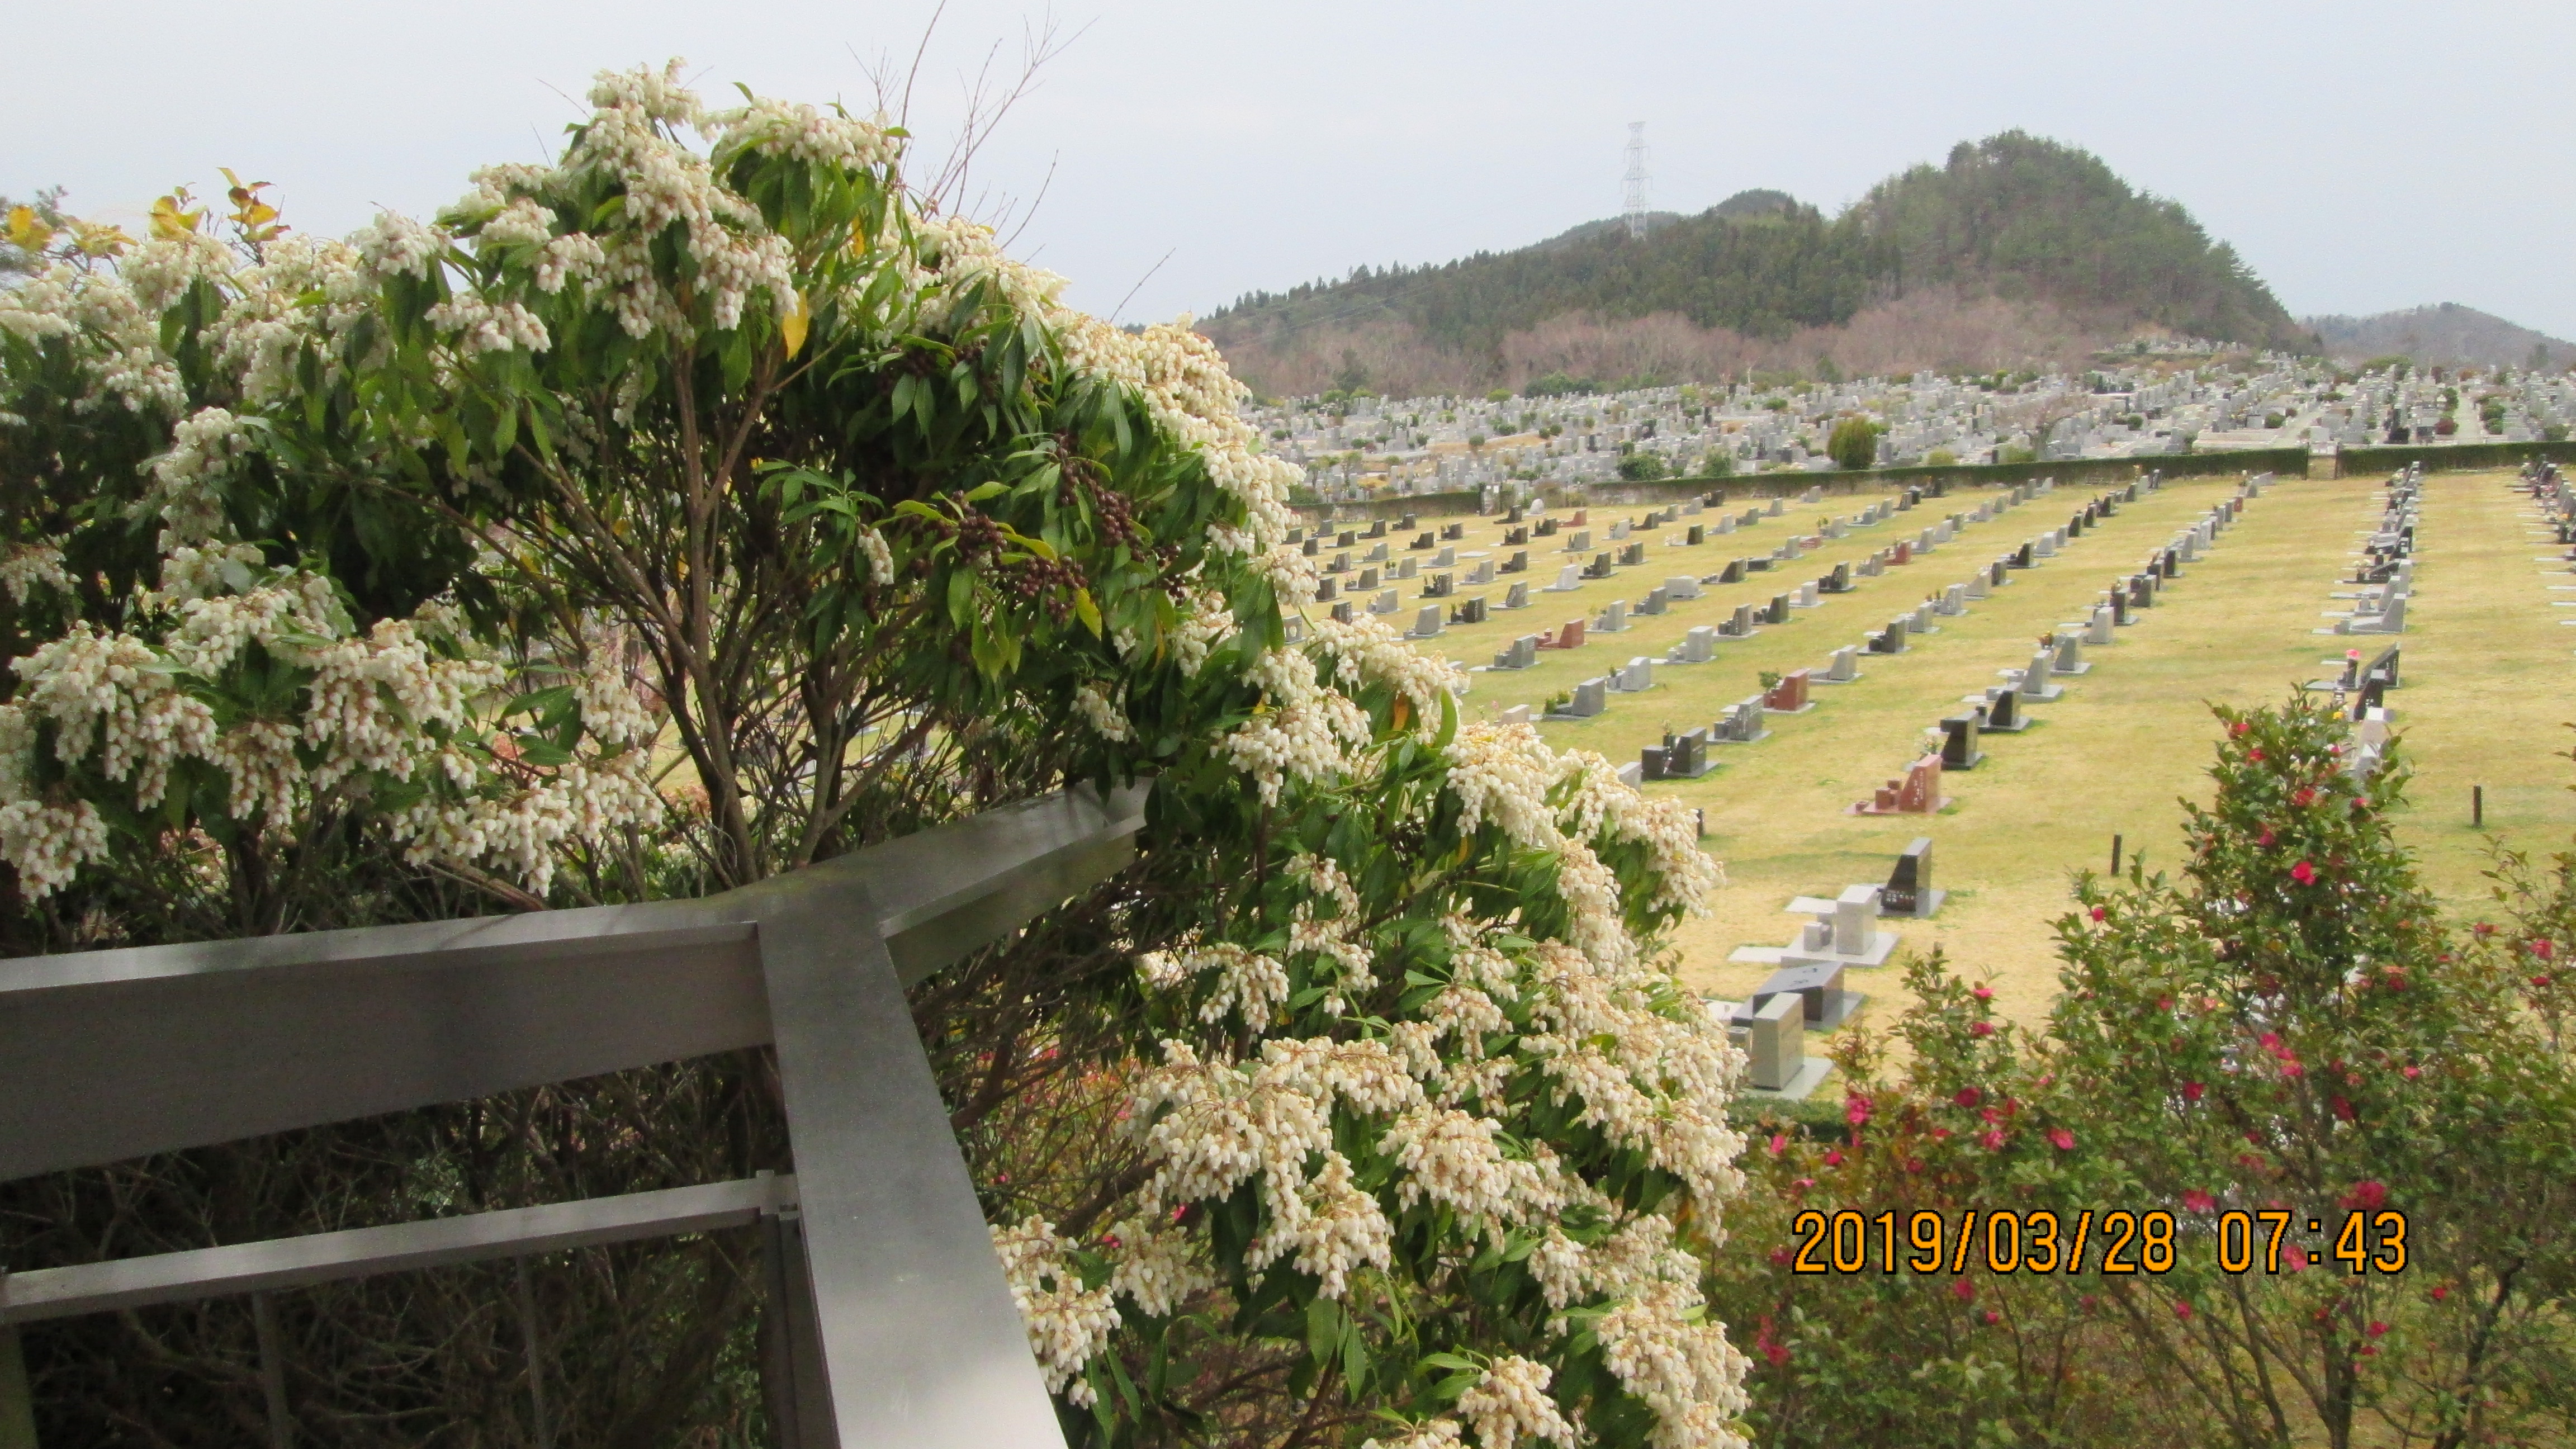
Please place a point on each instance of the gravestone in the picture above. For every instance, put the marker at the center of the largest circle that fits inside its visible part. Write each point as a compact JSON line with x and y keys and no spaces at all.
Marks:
{"x":1454,"y":531}
{"x":1653,"y":603}
{"x":1742,"y":723}
{"x":1619,"y":530}
{"x":2069,"y":659}
{"x":1568,"y":579}
{"x":1953,"y":601}
{"x":1517,"y":596}
{"x":1482,"y":573}
{"x":1775,"y":612}
{"x":1687,"y":758}
{"x":1741,"y":625}
{"x":1682,"y":588}
{"x":1521,"y":653}
{"x":1733,"y":573}
{"x":1631,"y":556}
{"x":1468,"y":611}
{"x":1447,"y":558}
{"x":1408,"y":568}
{"x":1917,"y":793}
{"x":1806,"y":596}
{"x":2098,"y":631}
{"x":1546,"y":528}
{"x":1385,"y":603}
{"x":1789,"y":696}
{"x":2004,"y":713}
{"x":1515,"y":537}
{"x":1591,"y":697}
{"x":1600,"y":567}
{"x":1438,"y":586}
{"x":1697,"y":535}
{"x":1566,"y":636}
{"x":1635,"y":677}
{"x":1698,"y":646}
{"x":1580,"y":540}
{"x":1342,"y":612}
{"x":1421,"y":542}
{"x":1341,"y":564}
{"x":1326,"y":591}
{"x":1959,"y":742}
{"x":1909,"y":890}
{"x":2033,"y":686}
{"x":1426,"y":625}
{"x":1367,"y":580}
{"x":1311,"y":549}
{"x":1518,"y":563}
{"x":1814,"y":990}
{"x":1843,"y":668}
{"x":1614,"y":619}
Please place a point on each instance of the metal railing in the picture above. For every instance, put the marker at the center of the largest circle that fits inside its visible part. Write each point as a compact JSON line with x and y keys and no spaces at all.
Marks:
{"x":900,"y":1328}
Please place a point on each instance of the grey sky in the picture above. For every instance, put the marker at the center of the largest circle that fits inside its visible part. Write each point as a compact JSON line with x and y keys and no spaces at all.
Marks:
{"x":2361,"y":155}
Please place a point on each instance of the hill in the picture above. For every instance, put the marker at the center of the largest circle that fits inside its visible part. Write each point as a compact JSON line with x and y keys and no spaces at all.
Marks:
{"x":2440,"y":336}
{"x":2017,"y":250}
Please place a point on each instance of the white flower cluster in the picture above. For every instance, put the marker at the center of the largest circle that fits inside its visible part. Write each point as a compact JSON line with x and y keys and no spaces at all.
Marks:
{"x":803,"y":133}
{"x":26,"y":567}
{"x":202,"y":449}
{"x":1191,"y":396}
{"x":1510,"y":1403}
{"x":1367,"y":651}
{"x":1248,"y":983}
{"x":1067,"y":1322}
{"x":1302,"y":731}
{"x":1106,"y":719}
{"x":383,"y":702}
{"x":108,"y":332}
{"x":478,"y":324}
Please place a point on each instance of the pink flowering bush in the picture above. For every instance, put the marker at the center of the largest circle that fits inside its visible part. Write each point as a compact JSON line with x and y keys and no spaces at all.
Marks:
{"x":2288,"y":1024}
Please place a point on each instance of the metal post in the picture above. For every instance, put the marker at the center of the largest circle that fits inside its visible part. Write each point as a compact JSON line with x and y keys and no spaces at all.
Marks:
{"x":534,"y":1346}
{"x":2115,"y":855}
{"x":17,"y":1396}
{"x":2477,"y":807}
{"x":272,"y":1371}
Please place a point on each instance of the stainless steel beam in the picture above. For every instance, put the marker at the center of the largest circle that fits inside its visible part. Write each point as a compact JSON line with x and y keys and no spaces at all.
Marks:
{"x":394,"y":1248}
{"x":110,"y":1055}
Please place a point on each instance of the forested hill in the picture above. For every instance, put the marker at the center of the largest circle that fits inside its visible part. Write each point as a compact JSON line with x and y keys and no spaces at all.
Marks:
{"x":2013,"y":217}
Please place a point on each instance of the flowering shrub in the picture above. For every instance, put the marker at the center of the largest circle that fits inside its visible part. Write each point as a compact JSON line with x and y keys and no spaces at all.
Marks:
{"x":2286,"y":1025}
{"x":706,"y":503}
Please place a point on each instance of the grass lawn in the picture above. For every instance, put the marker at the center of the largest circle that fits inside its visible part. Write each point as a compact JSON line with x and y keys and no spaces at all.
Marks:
{"x":2114,"y":754}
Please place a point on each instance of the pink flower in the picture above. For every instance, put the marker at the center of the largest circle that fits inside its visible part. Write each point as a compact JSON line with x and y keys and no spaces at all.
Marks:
{"x":2412,"y":1071}
{"x":2441,"y":1291}
{"x":2376,"y":1329}
{"x":2099,"y":913}
{"x":1993,"y":1137}
{"x":1962,"y":1289}
{"x":2342,"y":1107}
{"x":1834,"y":1158}
{"x":2239,"y":728}
{"x":1968,"y":1097}
{"x":2255,"y":755}
{"x":2062,"y":1139}
{"x":2294,"y":1258}
{"x":2370,"y":1192}
{"x":2191,"y":1091}
{"x":2540,"y":980}
{"x":2303,"y":873}
{"x":1983,"y":993}
{"x":1779,"y":1143}
{"x":2198,"y":1201}
{"x":2269,"y":1041}
{"x":2542,"y":948}
{"x":2182,"y":1310}
{"x":1992,"y":1317}
{"x":1855,"y":1109}
{"x":1981,"y":1028}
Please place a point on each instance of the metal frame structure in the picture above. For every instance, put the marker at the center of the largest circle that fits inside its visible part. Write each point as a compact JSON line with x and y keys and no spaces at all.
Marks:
{"x":900,"y":1328}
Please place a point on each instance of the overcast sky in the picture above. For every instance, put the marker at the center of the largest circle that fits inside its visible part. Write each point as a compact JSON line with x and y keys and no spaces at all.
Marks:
{"x":2361,"y":155}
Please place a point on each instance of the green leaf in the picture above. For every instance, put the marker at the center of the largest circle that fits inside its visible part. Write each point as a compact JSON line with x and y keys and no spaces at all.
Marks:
{"x":1087,"y":611}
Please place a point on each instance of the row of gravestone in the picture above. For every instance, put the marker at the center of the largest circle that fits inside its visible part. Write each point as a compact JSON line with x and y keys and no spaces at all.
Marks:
{"x":1843,"y":934}
{"x":1685,"y":756}
{"x":2384,"y":573}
